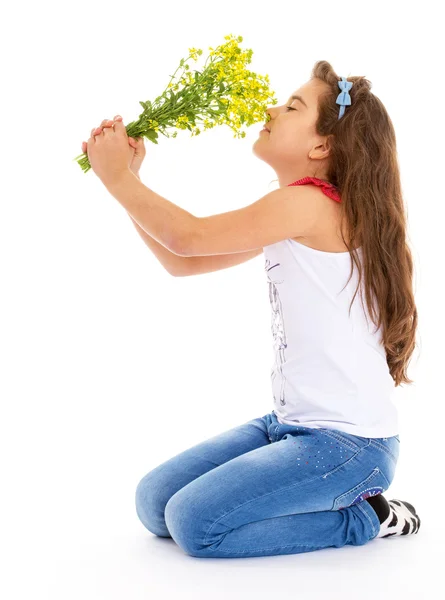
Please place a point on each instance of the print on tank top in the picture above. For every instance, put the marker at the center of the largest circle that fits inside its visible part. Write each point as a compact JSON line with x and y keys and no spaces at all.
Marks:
{"x":277,"y":327}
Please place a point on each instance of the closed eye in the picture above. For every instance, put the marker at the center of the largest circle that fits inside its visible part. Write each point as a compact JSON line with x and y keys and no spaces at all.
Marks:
{"x":290,"y":108}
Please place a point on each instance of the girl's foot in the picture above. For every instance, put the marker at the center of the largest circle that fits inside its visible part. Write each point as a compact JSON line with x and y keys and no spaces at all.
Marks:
{"x":401,"y":519}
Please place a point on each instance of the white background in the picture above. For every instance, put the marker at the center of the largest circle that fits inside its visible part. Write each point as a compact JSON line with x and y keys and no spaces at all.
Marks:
{"x":110,"y":366}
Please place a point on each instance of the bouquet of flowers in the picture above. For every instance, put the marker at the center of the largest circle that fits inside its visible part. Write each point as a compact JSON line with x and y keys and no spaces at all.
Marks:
{"x":224,"y":92}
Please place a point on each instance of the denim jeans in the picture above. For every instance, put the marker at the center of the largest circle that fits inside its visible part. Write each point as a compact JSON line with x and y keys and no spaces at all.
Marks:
{"x":263,"y":488}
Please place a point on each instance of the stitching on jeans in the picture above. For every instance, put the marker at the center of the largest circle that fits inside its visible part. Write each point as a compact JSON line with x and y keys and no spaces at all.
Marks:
{"x":339,"y":438}
{"x":366,"y":482}
{"x":275,"y":429}
{"x":264,"y":549}
{"x":382,"y":447}
{"x":342,"y":464}
{"x":366,"y":515}
{"x":342,"y":440}
{"x":360,"y":485}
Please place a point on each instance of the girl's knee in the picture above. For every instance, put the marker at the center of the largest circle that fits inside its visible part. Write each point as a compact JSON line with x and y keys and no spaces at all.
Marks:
{"x":150,"y":506}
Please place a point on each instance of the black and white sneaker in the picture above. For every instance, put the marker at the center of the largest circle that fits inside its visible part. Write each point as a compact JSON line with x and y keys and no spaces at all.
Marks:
{"x":401,"y":520}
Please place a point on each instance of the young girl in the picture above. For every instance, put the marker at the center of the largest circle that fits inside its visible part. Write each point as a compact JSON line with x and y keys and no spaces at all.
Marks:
{"x":311,"y":473}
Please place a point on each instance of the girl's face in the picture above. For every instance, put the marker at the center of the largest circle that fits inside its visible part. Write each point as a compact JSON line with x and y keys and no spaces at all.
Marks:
{"x":293,"y":148}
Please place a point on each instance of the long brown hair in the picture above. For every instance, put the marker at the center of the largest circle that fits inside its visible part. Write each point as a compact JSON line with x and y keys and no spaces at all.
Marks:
{"x":363,"y":165}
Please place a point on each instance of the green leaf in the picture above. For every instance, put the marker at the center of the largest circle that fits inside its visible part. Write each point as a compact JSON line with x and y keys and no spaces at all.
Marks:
{"x":152,"y":135}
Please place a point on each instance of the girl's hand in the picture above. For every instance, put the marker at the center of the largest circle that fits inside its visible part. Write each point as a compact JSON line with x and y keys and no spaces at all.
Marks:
{"x":137,"y":145}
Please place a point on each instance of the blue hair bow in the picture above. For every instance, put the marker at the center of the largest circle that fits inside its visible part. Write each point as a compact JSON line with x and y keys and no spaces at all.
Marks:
{"x":344,"y":99}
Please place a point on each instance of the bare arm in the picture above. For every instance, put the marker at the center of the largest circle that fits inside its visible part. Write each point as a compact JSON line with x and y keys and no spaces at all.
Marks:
{"x":182,"y":266}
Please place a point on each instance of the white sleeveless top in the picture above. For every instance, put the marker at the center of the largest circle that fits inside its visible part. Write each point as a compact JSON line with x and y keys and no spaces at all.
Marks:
{"x":330,"y":367}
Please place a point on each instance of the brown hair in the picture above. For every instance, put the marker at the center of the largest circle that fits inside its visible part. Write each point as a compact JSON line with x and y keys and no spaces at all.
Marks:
{"x":363,"y":165}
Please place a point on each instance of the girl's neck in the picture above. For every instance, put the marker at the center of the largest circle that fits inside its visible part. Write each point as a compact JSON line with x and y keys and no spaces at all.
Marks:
{"x":287,"y":179}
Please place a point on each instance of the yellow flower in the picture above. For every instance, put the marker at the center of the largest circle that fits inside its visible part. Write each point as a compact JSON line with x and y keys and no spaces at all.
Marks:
{"x":223,"y":92}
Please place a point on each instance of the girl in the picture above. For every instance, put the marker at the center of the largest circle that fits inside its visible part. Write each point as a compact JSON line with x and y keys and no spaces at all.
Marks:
{"x":311,"y":473}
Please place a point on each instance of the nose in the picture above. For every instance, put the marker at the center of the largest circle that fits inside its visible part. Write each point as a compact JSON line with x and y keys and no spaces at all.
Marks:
{"x":270,"y":112}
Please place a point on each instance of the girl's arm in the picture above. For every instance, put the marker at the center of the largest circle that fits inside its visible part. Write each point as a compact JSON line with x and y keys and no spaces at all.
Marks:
{"x":182,"y":266}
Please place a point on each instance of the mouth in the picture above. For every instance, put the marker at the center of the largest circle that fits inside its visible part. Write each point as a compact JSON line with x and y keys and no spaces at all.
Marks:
{"x":265,"y":129}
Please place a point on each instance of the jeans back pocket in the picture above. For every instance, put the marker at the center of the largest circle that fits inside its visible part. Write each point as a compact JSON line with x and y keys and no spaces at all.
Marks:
{"x":375,"y":483}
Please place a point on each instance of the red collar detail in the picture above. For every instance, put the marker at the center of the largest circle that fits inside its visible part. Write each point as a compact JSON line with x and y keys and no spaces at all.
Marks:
{"x":328,"y":188}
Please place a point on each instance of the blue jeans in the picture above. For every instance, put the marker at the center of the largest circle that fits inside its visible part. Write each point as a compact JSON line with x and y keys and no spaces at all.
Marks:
{"x":264,"y":488}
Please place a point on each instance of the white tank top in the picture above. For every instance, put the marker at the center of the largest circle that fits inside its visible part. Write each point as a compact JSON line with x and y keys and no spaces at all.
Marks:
{"x":330,"y":368}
